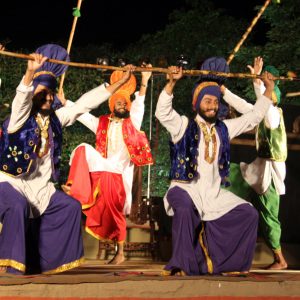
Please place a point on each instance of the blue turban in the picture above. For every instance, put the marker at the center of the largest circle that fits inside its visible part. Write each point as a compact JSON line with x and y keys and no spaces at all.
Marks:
{"x":217,"y":64}
{"x":47,"y":74}
{"x":202,"y":89}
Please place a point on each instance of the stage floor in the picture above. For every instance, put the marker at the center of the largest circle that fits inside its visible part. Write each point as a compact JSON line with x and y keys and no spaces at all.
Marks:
{"x":142,"y":280}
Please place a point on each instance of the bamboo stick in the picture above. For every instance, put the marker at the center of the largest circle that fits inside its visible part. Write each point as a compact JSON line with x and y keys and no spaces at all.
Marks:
{"x":62,"y":79}
{"x":295,"y":94}
{"x":249,"y":29}
{"x":139,"y":69}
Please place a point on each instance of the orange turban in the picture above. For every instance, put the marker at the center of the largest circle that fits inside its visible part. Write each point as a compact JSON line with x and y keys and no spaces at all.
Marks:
{"x":125,"y":90}
{"x":120,"y":94}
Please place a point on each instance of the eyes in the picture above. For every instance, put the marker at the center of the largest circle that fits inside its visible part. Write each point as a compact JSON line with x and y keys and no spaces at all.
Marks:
{"x":121,"y":103}
{"x":210,"y":101}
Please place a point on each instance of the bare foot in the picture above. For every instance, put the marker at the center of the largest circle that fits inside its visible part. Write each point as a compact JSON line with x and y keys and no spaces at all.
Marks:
{"x":2,"y":269}
{"x":117,"y":259}
{"x":179,"y":273}
{"x":279,"y":261}
{"x":174,"y":272}
{"x":66,"y":188}
{"x":276,"y":265}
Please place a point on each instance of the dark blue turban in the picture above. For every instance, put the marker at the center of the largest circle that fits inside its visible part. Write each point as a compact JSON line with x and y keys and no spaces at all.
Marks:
{"x":47,"y":74}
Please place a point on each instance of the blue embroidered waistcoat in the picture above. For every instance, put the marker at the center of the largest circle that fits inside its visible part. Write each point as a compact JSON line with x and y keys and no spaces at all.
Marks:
{"x":19,"y":149}
{"x":184,"y":154}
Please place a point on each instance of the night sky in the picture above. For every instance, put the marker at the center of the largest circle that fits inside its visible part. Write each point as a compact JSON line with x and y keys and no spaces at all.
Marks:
{"x":29,"y":24}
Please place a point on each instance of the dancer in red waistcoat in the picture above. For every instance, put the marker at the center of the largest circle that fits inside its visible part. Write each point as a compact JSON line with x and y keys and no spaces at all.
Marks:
{"x":101,"y":178}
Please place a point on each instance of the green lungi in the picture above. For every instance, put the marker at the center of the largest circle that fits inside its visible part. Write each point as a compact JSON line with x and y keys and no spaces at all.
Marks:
{"x":266,"y":204}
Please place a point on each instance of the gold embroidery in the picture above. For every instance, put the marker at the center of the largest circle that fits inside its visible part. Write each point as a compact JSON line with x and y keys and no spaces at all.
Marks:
{"x":12,"y":263}
{"x":209,"y":137}
{"x":65,"y":267}
{"x":37,"y":74}
{"x":209,"y":263}
{"x":44,"y":134}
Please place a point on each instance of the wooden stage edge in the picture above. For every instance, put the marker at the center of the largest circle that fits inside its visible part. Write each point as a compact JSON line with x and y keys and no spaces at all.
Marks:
{"x":137,"y":280}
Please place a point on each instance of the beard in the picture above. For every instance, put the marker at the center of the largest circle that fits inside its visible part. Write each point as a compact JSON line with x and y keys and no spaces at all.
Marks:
{"x":38,"y":101}
{"x":210,"y":120}
{"x":45,"y":112}
{"x":121,"y":115}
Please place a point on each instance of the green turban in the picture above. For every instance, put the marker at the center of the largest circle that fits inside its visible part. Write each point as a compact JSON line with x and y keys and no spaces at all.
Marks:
{"x":276,"y":92}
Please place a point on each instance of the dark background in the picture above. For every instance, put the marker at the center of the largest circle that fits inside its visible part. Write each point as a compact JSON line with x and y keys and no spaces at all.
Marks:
{"x":29,"y":24}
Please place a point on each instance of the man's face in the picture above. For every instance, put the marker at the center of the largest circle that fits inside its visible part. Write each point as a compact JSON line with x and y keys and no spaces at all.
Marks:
{"x":121,"y":109}
{"x":208,"y":108}
{"x":43,"y":98}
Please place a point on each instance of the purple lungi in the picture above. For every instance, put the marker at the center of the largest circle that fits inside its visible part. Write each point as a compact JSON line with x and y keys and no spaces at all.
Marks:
{"x":226,"y":244}
{"x":57,"y":233}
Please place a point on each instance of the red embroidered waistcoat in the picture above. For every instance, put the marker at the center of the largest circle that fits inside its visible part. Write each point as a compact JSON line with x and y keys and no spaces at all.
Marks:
{"x":136,"y":141}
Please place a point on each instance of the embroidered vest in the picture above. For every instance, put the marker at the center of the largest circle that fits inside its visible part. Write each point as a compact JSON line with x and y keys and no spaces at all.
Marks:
{"x":185,"y":152}
{"x":272,"y":143}
{"x":136,"y":141}
{"x":19,"y":149}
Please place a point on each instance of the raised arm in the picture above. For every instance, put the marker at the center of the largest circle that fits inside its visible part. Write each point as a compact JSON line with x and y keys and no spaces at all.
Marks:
{"x":22,"y":103}
{"x":91,"y":100}
{"x":239,"y":104}
{"x":138,"y":105}
{"x":165,"y":113}
{"x":249,"y":120}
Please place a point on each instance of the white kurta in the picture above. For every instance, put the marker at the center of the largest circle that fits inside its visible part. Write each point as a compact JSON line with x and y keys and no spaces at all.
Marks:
{"x":209,"y":198}
{"x":259,"y":173}
{"x":36,"y":186}
{"x":118,"y":160}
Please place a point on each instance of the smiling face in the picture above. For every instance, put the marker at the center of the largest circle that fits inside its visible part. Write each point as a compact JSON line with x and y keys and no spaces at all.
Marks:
{"x":121,"y":108}
{"x":208,"y":108}
{"x":42,"y":99}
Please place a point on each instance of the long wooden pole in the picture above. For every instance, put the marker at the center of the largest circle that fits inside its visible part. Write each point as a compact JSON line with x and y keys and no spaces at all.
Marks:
{"x":249,"y":29}
{"x":295,"y":94}
{"x":139,"y":69}
{"x":62,"y":79}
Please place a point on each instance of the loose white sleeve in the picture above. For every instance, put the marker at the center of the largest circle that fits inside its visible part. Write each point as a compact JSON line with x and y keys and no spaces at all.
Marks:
{"x":272,"y":117}
{"x":90,"y":100}
{"x":137,"y":110}
{"x":21,"y":107}
{"x":239,"y":104}
{"x":169,"y":118}
{"x":249,"y":120}
{"x":86,"y":119}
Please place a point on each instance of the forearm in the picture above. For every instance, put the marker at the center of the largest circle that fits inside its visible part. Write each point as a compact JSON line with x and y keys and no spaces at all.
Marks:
{"x":259,"y":88}
{"x":28,"y":77}
{"x":137,"y":110}
{"x":170,"y":87}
